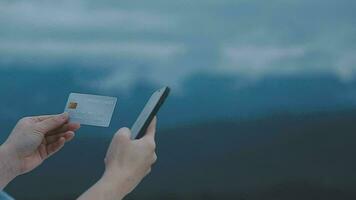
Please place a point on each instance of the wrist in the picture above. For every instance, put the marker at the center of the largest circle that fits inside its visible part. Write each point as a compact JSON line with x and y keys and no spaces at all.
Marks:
{"x":118,"y":183}
{"x":9,"y":166}
{"x":109,"y":187}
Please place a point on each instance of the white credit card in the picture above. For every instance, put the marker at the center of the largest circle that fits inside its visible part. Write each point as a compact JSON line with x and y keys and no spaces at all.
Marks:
{"x":90,"y":109}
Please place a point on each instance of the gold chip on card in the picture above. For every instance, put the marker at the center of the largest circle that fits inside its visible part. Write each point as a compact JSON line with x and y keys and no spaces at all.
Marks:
{"x":72,"y":105}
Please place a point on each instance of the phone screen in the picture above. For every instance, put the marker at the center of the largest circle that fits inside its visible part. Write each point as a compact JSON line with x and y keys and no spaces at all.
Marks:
{"x":153,"y":105}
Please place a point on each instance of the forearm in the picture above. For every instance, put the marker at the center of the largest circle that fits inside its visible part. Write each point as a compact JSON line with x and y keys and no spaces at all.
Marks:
{"x":8,"y":170}
{"x":107,"y":188}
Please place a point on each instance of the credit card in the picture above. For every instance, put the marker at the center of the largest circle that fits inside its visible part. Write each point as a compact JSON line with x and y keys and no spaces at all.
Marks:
{"x":90,"y":109}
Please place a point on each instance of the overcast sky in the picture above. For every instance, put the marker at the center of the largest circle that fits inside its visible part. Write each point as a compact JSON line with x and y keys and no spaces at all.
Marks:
{"x":170,"y":40}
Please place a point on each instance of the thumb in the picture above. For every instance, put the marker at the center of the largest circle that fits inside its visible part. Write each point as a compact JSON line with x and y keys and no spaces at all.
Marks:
{"x":151,"y":130}
{"x":52,"y":123}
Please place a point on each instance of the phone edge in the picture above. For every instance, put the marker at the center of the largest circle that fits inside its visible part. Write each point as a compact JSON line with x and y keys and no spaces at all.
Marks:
{"x":157,"y":107}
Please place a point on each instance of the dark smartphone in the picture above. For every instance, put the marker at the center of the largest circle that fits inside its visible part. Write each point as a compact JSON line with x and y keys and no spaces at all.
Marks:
{"x":151,"y":109}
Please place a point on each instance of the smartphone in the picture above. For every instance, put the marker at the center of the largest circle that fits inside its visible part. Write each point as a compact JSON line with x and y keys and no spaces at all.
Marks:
{"x":151,"y":109}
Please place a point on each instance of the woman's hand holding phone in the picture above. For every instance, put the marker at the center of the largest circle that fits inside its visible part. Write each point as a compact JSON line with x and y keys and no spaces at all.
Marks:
{"x":127,"y":162}
{"x":131,"y":154}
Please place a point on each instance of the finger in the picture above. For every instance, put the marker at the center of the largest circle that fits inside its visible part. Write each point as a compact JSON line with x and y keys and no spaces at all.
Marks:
{"x":151,"y":130}
{"x":56,"y":146}
{"x":66,"y":127}
{"x":52,"y":123}
{"x":154,"y":158}
{"x":41,"y":118}
{"x":148,"y":171}
{"x":123,"y":134}
{"x":43,"y":151}
{"x":68,"y":136}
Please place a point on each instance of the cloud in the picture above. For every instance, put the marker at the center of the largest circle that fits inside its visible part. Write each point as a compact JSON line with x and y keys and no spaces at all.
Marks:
{"x":346,"y":66}
{"x":76,"y":15}
{"x":165,"y":42}
{"x":258,"y":60}
{"x":77,"y":49}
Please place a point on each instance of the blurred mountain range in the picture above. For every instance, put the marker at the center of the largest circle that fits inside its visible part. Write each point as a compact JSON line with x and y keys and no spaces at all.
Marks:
{"x":202,"y":97}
